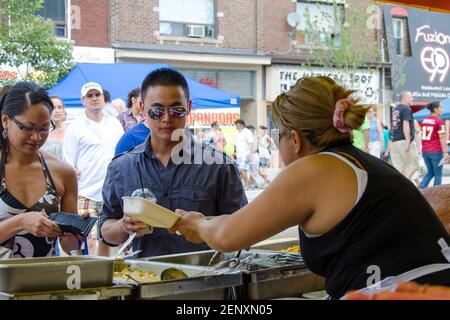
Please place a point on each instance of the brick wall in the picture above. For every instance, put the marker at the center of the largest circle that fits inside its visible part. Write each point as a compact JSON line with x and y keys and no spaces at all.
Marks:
{"x":278,"y":34}
{"x":91,"y":28}
{"x":136,"y":21}
{"x":238,"y":25}
{"x":276,"y":30}
{"x":257,"y":26}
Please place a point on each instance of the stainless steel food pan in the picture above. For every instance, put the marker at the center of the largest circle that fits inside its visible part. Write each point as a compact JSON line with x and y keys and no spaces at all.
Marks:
{"x":200,"y":284}
{"x":55,"y":273}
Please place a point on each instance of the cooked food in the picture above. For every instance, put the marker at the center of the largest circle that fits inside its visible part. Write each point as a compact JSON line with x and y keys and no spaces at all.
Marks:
{"x":127,"y":275}
{"x":293,"y":249}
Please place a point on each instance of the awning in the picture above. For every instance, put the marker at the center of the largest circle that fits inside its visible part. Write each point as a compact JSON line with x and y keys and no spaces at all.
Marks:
{"x":432,"y":5}
{"x":121,"y":78}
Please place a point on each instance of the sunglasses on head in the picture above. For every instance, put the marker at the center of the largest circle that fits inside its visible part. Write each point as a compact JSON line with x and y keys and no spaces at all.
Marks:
{"x":177,"y":112}
{"x":90,"y":95}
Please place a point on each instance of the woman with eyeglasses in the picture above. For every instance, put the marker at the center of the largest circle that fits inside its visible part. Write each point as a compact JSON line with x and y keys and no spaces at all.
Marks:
{"x":55,"y":139}
{"x":355,"y":213}
{"x":32,"y":185}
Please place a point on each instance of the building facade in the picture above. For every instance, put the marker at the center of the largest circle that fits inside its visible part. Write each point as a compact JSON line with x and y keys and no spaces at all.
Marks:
{"x":244,"y":47}
{"x":212,"y":41}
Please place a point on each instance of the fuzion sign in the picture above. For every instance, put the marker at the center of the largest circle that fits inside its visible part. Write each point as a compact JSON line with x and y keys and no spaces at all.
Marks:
{"x":366,"y":82}
{"x":425,"y":72}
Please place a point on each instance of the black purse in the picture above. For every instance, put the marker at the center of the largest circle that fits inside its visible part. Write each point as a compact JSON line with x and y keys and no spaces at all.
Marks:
{"x":73,"y":223}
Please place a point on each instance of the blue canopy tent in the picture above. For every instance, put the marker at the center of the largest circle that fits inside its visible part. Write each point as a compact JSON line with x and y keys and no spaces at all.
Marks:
{"x":421,"y":115}
{"x":121,"y":78}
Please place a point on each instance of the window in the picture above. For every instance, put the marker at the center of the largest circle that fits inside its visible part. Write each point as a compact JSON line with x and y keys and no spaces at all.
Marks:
{"x":56,"y":10}
{"x":401,"y":37}
{"x":187,"y":18}
{"x":240,"y":82}
{"x":320,"y":23}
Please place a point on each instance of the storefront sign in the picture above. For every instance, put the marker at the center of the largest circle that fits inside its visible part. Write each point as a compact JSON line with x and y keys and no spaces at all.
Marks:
{"x":204,"y":117}
{"x":425,"y":72}
{"x":93,"y":55}
{"x":366,"y":82}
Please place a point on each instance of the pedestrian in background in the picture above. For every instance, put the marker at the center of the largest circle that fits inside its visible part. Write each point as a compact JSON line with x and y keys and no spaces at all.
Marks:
{"x":244,"y":143}
{"x":217,"y":138}
{"x":132,"y":116}
{"x":404,"y":154}
{"x":361,"y":136}
{"x":265,"y":147}
{"x":89,"y":143}
{"x":387,"y":142}
{"x":108,"y":107}
{"x":434,"y":146}
{"x":53,"y":145}
{"x":254,"y":161}
{"x":376,"y":137}
{"x":119,"y":105}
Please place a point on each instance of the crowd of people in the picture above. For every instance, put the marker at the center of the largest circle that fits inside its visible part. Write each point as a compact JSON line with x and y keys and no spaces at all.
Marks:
{"x":353,"y":210}
{"x":417,"y":150}
{"x":253,"y":151}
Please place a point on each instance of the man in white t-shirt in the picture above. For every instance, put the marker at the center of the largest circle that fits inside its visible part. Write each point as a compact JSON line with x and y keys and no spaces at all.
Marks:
{"x":89,"y":144}
{"x":244,"y":146}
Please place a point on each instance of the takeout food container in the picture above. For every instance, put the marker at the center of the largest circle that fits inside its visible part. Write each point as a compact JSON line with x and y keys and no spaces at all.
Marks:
{"x":149,"y":212}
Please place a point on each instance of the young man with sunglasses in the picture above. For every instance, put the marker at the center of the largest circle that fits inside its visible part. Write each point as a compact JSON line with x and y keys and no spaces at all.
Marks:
{"x":88,"y":146}
{"x":210,"y":187}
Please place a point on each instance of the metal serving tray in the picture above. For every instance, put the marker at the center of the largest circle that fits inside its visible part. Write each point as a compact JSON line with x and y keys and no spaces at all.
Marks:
{"x":103,"y":293}
{"x":54,"y":273}
{"x":200,"y":285}
{"x":276,"y":246}
{"x":259,"y":282}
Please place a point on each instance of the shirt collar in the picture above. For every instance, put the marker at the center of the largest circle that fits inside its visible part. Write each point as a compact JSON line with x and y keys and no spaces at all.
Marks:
{"x":189,"y":151}
{"x":104,"y":119}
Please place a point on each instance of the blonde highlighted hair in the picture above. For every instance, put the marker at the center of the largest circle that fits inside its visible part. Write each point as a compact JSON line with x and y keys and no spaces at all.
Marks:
{"x":308,"y":108}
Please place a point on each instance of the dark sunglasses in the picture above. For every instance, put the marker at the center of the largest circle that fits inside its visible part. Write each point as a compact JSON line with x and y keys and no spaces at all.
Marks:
{"x":177,"y":112}
{"x":90,"y":95}
{"x":23,"y":127}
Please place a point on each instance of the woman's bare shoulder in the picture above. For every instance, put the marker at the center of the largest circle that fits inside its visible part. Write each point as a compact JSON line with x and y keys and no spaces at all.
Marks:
{"x":58,"y":166}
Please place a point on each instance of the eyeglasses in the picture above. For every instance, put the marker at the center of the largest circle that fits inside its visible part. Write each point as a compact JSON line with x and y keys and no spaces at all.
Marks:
{"x":90,"y":95}
{"x":177,"y":112}
{"x":23,"y":127}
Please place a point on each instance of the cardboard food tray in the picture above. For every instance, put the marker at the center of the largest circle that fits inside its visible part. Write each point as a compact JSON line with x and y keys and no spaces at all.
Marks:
{"x":149,"y":212}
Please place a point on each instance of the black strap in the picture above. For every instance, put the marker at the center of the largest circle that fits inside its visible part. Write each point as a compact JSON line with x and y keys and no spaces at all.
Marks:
{"x":2,"y":167}
{"x":47,"y":173}
{"x":352,"y":159}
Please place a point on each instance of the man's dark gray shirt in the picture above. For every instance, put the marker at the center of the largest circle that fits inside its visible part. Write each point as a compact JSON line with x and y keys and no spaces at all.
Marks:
{"x":211,"y":189}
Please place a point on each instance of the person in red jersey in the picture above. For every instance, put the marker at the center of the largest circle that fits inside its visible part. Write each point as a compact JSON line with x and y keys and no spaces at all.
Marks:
{"x":434,"y":146}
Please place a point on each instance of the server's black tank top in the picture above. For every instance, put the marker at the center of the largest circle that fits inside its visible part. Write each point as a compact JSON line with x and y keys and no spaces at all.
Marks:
{"x":392,"y":227}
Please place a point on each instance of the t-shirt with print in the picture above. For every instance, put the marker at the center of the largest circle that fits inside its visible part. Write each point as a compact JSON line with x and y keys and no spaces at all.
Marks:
{"x":401,"y":113}
{"x":432,"y":128}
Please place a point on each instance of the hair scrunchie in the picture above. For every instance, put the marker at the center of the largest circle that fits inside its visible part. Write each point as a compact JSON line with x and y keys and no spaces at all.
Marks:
{"x":341,"y":107}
